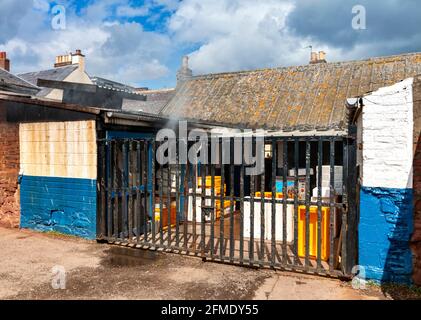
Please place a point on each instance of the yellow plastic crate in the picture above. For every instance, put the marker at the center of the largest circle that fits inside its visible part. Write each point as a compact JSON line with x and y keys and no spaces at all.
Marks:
{"x":313,"y":236}
{"x":208,"y":182}
{"x":279,"y":195}
{"x":218,"y":210}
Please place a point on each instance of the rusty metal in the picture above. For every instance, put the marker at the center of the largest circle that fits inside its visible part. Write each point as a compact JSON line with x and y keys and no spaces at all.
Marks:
{"x":134,"y":184}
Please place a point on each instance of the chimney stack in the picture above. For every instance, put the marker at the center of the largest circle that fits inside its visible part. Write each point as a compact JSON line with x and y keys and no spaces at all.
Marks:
{"x":314,"y":57}
{"x":71,"y":58}
{"x":79,"y":58}
{"x":184,"y":73}
{"x":4,"y":62}
{"x":318,"y":57}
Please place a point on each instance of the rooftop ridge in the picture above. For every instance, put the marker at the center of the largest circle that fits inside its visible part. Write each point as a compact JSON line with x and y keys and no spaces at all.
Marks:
{"x":21,"y":79}
{"x":307,"y":66}
{"x":48,"y":70}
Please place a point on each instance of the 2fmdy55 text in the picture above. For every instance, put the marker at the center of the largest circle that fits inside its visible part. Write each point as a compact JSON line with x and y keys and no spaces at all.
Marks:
{"x":211,"y":309}
{"x":231,"y":309}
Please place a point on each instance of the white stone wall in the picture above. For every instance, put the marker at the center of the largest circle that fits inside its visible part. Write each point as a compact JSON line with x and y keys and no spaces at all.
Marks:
{"x":387,"y":134}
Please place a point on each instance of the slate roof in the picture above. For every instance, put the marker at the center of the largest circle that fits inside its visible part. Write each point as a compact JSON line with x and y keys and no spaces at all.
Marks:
{"x":10,"y":82}
{"x":304,"y":98}
{"x":57,"y":74}
{"x":156,"y":100}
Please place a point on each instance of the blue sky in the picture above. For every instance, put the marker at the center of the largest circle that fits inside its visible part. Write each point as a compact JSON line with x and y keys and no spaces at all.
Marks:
{"x":142,"y":42}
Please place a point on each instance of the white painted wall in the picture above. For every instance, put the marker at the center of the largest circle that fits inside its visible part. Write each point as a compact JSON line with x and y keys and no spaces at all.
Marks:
{"x":387,"y":136}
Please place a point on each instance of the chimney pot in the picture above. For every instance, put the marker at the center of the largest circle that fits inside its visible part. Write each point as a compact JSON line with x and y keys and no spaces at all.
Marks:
{"x":319,"y":57}
{"x":4,"y":62}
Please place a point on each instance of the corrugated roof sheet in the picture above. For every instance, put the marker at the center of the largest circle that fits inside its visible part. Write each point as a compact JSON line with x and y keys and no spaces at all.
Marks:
{"x":110,"y":84}
{"x":304,"y":98}
{"x":57,"y":74}
{"x":156,"y":100}
{"x":10,"y":82}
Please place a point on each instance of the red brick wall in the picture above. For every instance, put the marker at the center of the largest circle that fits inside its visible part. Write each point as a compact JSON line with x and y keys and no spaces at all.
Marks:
{"x":416,"y":239}
{"x":9,"y":170}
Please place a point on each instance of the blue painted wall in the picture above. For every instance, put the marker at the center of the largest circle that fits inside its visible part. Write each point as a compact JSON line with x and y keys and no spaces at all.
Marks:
{"x":386,"y":225}
{"x":63,"y":205}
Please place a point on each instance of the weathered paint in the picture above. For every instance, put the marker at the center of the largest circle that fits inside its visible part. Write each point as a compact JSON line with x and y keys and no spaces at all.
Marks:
{"x":58,"y":149}
{"x":59,"y":204}
{"x":386,"y":225}
{"x":386,"y":196}
{"x":59,"y":170}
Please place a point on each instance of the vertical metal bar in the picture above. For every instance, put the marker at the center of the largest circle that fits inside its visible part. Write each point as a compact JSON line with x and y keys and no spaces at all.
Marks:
{"x":296,"y":194}
{"x":109,"y":191}
{"x":194,"y":177}
{"x":213,"y":212}
{"x":186,"y":203}
{"x":332,"y":208}
{"x":145,"y":183}
{"x":129,"y":175}
{"x":344,"y":251}
{"x":242,"y":169}
{"x":251,"y":242}
{"x":284,"y":204}
{"x":177,"y":201}
{"x":124,"y":183}
{"x":161,"y":204}
{"x":203,"y":218}
{"x":116,"y":190}
{"x":352,"y":219}
{"x":139,"y":182}
{"x":169,"y":204}
{"x":101,"y":188}
{"x":222,"y":207}
{"x":262,"y":219}
{"x":232,"y":179}
{"x":152,"y":195}
{"x":319,"y":203}
{"x":273,"y":218}
{"x":307,"y":202}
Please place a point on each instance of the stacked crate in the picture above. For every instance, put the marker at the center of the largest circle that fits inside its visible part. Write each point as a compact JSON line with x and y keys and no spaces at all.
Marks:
{"x":208,"y":202}
{"x":338,"y":175}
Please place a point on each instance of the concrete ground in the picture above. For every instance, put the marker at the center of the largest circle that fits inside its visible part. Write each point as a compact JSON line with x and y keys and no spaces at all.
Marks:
{"x":100,"y":271}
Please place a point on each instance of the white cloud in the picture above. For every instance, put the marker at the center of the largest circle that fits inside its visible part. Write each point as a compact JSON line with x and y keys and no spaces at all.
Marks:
{"x":42,"y":5}
{"x":227,"y":35}
{"x":121,"y":51}
{"x":130,"y":12}
{"x":235,"y":35}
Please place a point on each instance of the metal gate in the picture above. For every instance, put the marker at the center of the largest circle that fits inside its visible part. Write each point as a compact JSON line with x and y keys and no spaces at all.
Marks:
{"x":297,"y":214}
